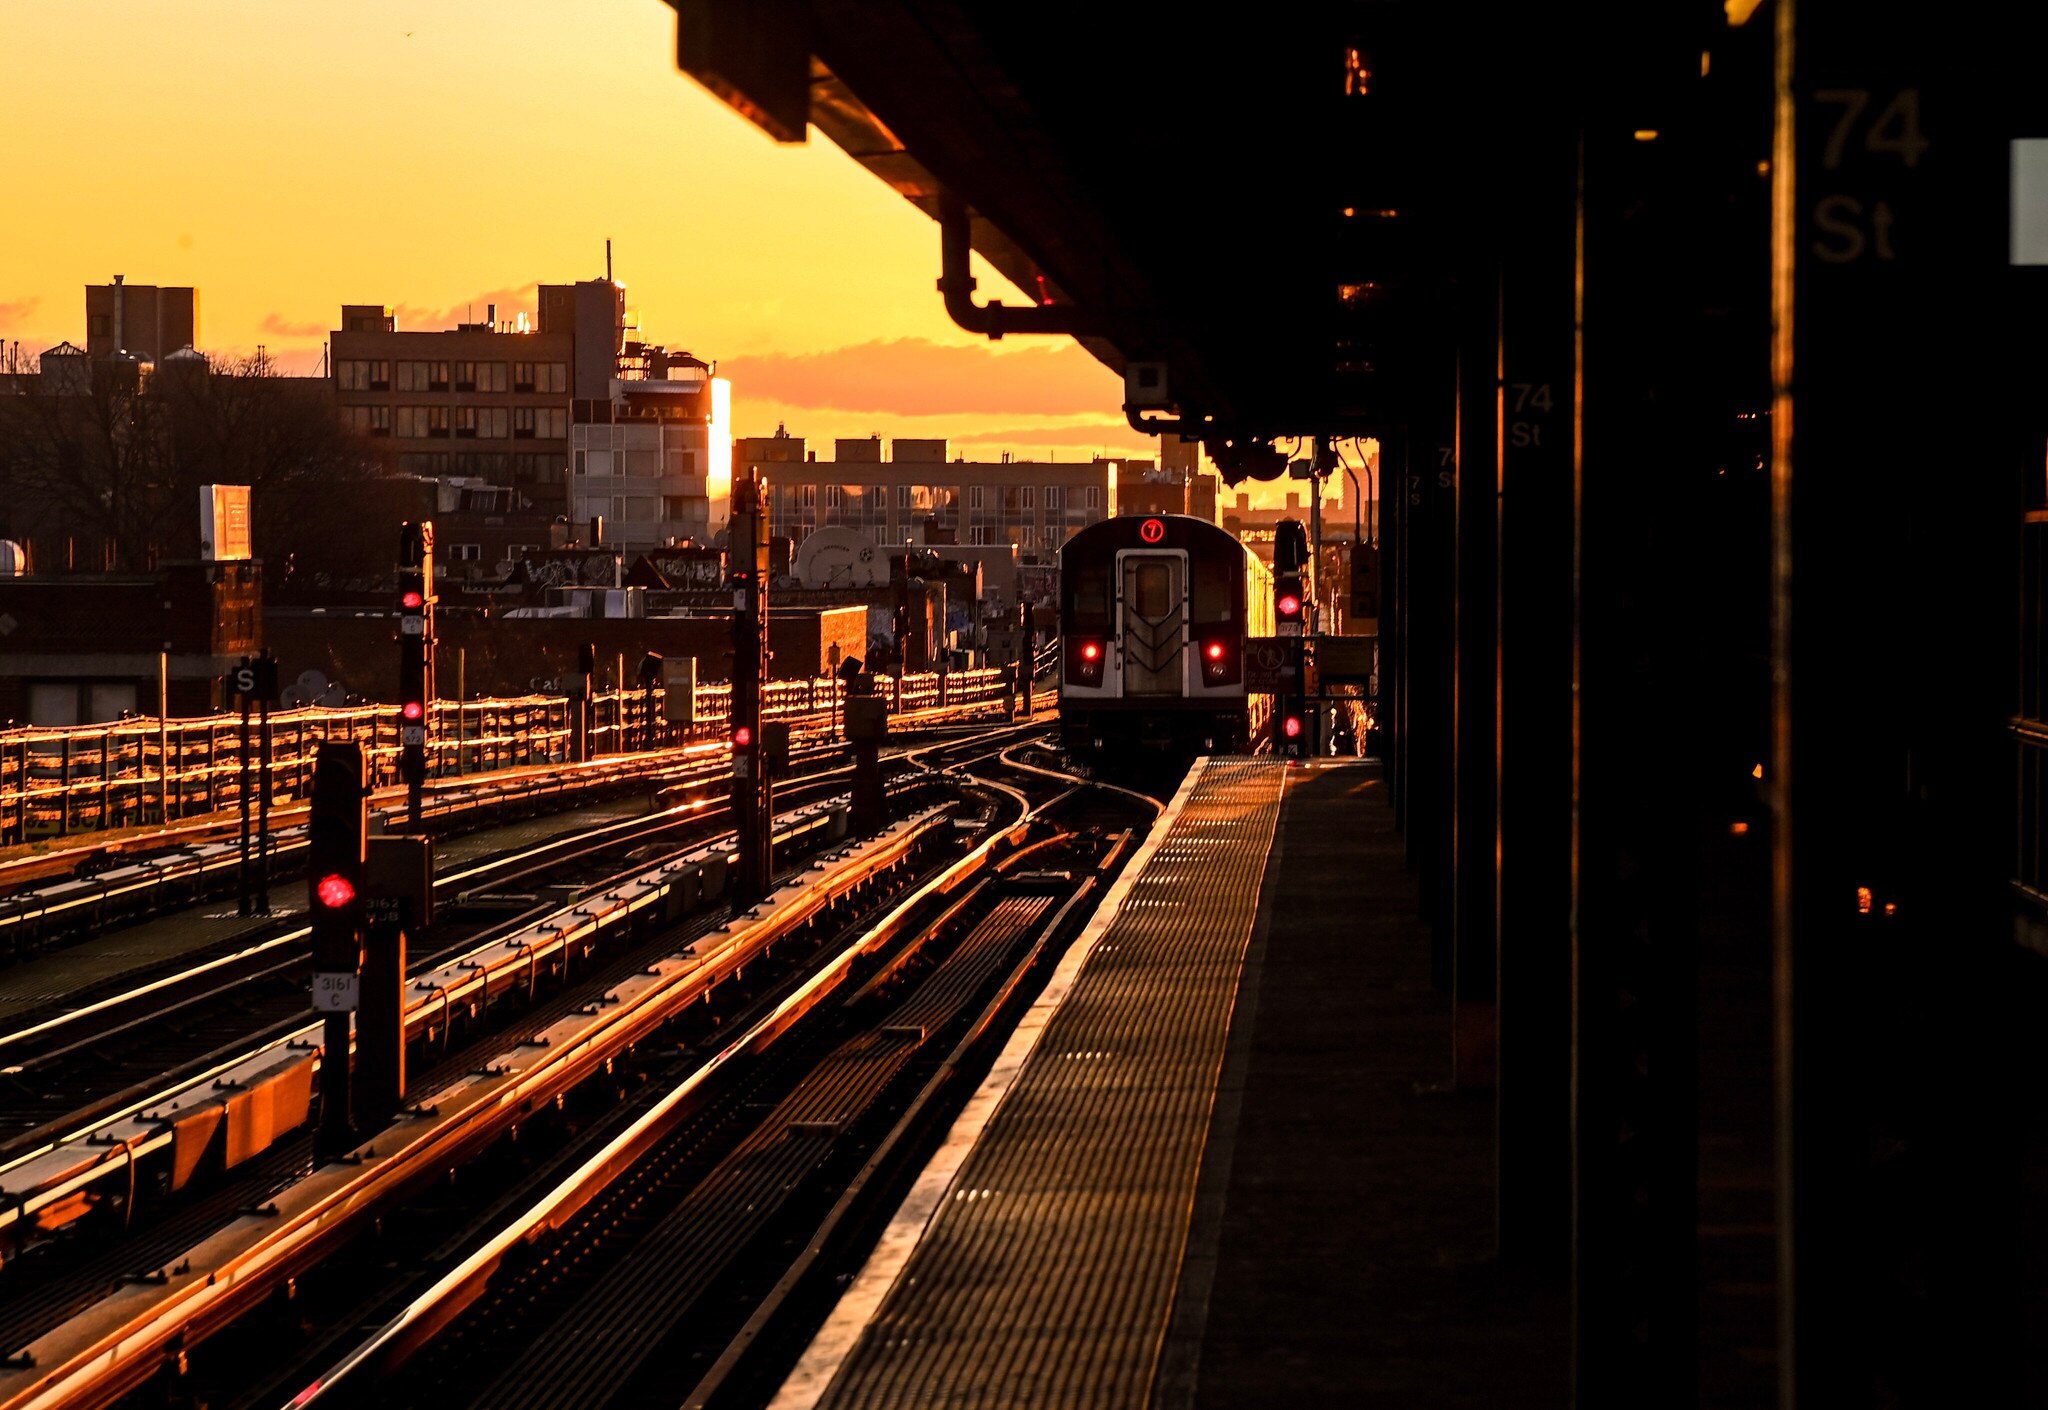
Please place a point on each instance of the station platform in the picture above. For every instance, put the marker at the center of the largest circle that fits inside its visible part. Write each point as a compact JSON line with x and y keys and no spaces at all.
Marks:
{"x":1217,"y":1164}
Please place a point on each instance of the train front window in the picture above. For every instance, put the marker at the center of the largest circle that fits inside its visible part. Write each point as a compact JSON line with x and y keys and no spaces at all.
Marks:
{"x":1089,"y":605}
{"x":1217,"y":578}
{"x":1152,"y":591}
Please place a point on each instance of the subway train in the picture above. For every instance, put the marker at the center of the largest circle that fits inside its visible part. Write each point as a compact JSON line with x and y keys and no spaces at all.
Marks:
{"x":1154,"y":613}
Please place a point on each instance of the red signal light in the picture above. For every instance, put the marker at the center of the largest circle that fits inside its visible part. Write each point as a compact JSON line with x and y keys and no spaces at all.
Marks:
{"x":1215,"y":651}
{"x":742,"y":737}
{"x":1291,"y":725}
{"x":413,"y":710}
{"x":334,"y":891}
{"x":1090,"y":651}
{"x":412,"y":599}
{"x":1290,"y":606}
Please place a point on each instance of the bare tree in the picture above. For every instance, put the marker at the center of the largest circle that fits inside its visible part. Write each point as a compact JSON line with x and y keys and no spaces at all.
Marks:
{"x":112,"y":457}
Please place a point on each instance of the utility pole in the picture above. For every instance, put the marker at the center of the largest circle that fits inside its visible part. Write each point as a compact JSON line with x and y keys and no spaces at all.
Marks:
{"x":752,"y":804}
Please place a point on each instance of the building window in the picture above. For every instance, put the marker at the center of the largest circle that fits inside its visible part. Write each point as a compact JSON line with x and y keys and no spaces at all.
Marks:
{"x":522,"y":423}
{"x":582,"y":462}
{"x":974,"y":499}
{"x":102,"y":325}
{"x":466,"y":552}
{"x":832,"y":496}
{"x":551,"y":423}
{"x":810,"y":496}
{"x":681,"y":462}
{"x":1026,"y":497}
{"x":1093,"y":498}
{"x":1025,"y":537}
{"x":878,"y":499}
{"x":479,"y":376}
{"x":437,"y":420}
{"x":522,"y":376}
{"x":550,"y":377}
{"x":412,"y":421}
{"x":676,"y":508}
{"x":481,"y":422}
{"x":413,"y":376}
{"x":437,"y":376}
{"x":1055,"y":497}
{"x":903,"y":496}
{"x":370,"y":420}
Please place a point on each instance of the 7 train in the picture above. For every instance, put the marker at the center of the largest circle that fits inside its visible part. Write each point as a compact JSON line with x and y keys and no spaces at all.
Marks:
{"x":1155,"y":615}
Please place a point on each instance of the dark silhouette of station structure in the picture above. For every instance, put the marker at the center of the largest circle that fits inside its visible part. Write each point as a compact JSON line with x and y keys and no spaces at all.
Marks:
{"x":1700,"y":343}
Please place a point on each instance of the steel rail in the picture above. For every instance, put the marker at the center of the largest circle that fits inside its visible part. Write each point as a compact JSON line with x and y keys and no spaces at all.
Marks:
{"x":35,"y":1180}
{"x":433,"y":1308}
{"x":101,"y":1353}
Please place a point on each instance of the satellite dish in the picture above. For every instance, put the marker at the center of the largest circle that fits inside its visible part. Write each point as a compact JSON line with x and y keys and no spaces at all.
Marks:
{"x":312,"y":688}
{"x":838,"y":557}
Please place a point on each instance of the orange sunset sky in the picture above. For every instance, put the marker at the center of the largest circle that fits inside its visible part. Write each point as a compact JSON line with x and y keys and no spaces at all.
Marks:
{"x":440,"y":155}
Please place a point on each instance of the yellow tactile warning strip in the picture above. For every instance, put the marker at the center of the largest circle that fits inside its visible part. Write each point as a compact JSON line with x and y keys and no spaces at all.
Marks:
{"x":1045,"y":1274}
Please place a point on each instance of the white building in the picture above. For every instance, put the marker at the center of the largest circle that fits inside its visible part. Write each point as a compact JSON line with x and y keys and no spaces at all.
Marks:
{"x":655,"y":460}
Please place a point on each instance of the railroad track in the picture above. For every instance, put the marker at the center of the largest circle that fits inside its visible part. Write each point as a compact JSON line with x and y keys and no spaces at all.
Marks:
{"x":80,"y":890}
{"x":749,"y":1183}
{"x":250,"y":1185}
{"x":69,"y":1071}
{"x":156,"y":994}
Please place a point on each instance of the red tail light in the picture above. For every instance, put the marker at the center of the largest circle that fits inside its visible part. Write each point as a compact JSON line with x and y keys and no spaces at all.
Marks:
{"x":1084,"y":662}
{"x":1222,"y":661}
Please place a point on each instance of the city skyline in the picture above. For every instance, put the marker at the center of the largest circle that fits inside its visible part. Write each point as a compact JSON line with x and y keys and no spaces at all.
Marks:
{"x":281,"y":209}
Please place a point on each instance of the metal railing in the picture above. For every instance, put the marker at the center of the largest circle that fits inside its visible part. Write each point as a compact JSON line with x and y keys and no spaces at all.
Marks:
{"x":142,"y":772}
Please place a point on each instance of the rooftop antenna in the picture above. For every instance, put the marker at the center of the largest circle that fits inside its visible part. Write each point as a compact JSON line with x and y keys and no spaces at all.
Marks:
{"x":607,"y":261}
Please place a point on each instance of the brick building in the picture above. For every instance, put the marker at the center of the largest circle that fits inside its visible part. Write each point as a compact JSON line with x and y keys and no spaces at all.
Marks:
{"x":494,"y":401}
{"x":148,"y":320}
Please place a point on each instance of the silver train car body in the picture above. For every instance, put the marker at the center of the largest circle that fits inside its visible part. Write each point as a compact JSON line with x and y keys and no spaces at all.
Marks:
{"x":1154,"y":614}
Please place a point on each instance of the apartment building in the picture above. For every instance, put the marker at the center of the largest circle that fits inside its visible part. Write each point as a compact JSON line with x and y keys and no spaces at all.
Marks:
{"x":648,"y":456}
{"x":917,"y":495}
{"x":495,"y":400}
{"x":481,"y":400}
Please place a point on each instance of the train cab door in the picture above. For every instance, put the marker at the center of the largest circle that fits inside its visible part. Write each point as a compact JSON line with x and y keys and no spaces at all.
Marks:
{"x":1152,"y":619}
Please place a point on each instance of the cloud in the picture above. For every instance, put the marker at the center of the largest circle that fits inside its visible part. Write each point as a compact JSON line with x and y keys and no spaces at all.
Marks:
{"x":284,"y":328}
{"x":510,"y":300}
{"x":13,"y":311}
{"x":917,"y":377}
